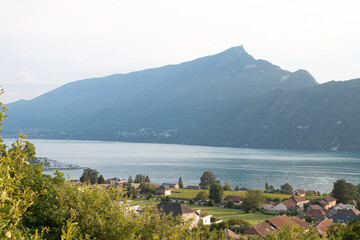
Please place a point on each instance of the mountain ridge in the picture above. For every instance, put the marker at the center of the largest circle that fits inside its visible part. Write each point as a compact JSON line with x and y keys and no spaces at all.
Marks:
{"x":167,"y":104}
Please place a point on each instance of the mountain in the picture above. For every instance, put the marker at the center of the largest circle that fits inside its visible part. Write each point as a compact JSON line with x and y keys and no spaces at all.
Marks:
{"x":321,"y":117}
{"x":165,"y":104}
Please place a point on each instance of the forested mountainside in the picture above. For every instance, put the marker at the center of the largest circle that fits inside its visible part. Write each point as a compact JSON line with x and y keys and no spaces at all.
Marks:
{"x":321,"y":117}
{"x":165,"y":104}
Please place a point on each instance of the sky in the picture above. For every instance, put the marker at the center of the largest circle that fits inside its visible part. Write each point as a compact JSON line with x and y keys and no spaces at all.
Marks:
{"x":46,"y":43}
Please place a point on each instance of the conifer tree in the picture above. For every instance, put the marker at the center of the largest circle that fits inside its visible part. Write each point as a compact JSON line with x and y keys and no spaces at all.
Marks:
{"x":180,"y":183}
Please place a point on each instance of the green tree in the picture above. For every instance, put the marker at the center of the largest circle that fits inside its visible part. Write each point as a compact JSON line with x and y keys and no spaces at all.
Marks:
{"x":253,"y":201}
{"x":85,"y":178}
{"x":147,"y":188}
{"x":202,"y":196}
{"x":236,"y":188}
{"x":90,"y":175}
{"x":130,"y":180}
{"x":207,"y":179}
{"x":286,"y":188}
{"x":343,"y":191}
{"x":139,"y":178}
{"x":180,"y":183}
{"x":147,"y":179}
{"x":101,"y":180}
{"x":227,"y":186}
{"x":131,"y":192}
{"x":267,"y":187}
{"x":216,"y":192}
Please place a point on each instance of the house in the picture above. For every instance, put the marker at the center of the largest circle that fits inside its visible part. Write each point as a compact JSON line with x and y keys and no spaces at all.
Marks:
{"x":273,"y":224}
{"x":243,"y":189}
{"x":178,"y":209}
{"x":206,"y":218}
{"x":345,"y":215}
{"x":230,"y":234}
{"x":312,"y":193}
{"x":318,"y":214}
{"x":315,"y":206}
{"x":343,"y":206}
{"x":163,"y":190}
{"x":294,"y":203}
{"x":156,"y":185}
{"x":299,"y":192}
{"x":237,"y":200}
{"x":328,"y":202}
{"x":171,"y":185}
{"x":194,"y":187}
{"x":116,"y":180}
{"x":135,"y":185}
{"x":300,"y":201}
{"x":180,"y":200}
{"x":323,"y":227}
{"x":199,"y":202}
{"x":268,"y":206}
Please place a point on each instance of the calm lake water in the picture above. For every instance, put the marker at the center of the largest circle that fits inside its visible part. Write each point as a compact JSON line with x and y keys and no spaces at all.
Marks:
{"x":309,"y":170}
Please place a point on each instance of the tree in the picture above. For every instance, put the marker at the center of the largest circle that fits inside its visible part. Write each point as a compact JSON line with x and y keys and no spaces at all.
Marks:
{"x":101,"y":180}
{"x":286,"y":188}
{"x":131,"y":192}
{"x":216,"y":192}
{"x":84,"y":178}
{"x":344,"y":192}
{"x":147,"y":179}
{"x":207,"y":179}
{"x":202,"y":196}
{"x":180,"y":183}
{"x":267,"y":187}
{"x":147,"y":188}
{"x":227,"y":186}
{"x":140,"y":178}
{"x":90,"y":175}
{"x":253,"y":201}
{"x":130,"y":180}
{"x":236,"y":188}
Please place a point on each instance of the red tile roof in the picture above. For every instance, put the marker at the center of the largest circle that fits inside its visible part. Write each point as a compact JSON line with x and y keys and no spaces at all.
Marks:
{"x":298,"y":199}
{"x":289,"y":203}
{"x":324,"y":226}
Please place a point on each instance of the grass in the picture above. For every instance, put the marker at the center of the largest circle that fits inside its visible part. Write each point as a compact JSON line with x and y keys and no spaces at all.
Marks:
{"x":144,"y":202}
{"x":228,"y":213}
{"x":218,"y":212}
{"x":190,"y":193}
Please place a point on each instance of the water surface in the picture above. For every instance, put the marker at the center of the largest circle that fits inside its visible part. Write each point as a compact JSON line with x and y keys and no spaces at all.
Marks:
{"x":309,"y":170}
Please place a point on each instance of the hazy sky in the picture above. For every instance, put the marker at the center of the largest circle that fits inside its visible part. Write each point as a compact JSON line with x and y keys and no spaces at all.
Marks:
{"x":46,"y":43}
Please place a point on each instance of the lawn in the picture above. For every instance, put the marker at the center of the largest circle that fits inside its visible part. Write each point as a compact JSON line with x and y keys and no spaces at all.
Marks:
{"x":228,"y":213}
{"x":218,"y":212}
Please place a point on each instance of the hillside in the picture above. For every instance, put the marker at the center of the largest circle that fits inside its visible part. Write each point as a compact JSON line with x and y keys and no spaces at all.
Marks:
{"x":164,"y":104}
{"x":322,"y":117}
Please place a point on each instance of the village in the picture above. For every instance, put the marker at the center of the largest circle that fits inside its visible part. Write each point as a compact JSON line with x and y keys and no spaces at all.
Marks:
{"x":225,"y":208}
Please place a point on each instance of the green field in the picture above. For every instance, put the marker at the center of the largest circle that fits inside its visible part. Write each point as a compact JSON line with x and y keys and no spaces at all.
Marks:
{"x":228,"y":213}
{"x":189,"y":193}
{"x":218,"y":212}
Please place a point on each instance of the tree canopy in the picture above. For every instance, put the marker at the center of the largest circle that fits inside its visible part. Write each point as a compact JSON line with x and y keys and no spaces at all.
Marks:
{"x":216,"y":192}
{"x":343,"y":191}
{"x":286,"y":188}
{"x":207,"y":179}
{"x":253,"y":201}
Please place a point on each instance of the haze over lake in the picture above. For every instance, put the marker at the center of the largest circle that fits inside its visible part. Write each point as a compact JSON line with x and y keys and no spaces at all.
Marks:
{"x":309,"y":170}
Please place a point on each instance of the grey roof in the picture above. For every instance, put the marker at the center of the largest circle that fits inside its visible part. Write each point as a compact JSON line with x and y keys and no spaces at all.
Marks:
{"x":174,"y":208}
{"x":345,"y":215}
{"x":162,"y":187}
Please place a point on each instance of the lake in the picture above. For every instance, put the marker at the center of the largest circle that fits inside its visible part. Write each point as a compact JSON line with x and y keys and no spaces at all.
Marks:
{"x":308,"y":170}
